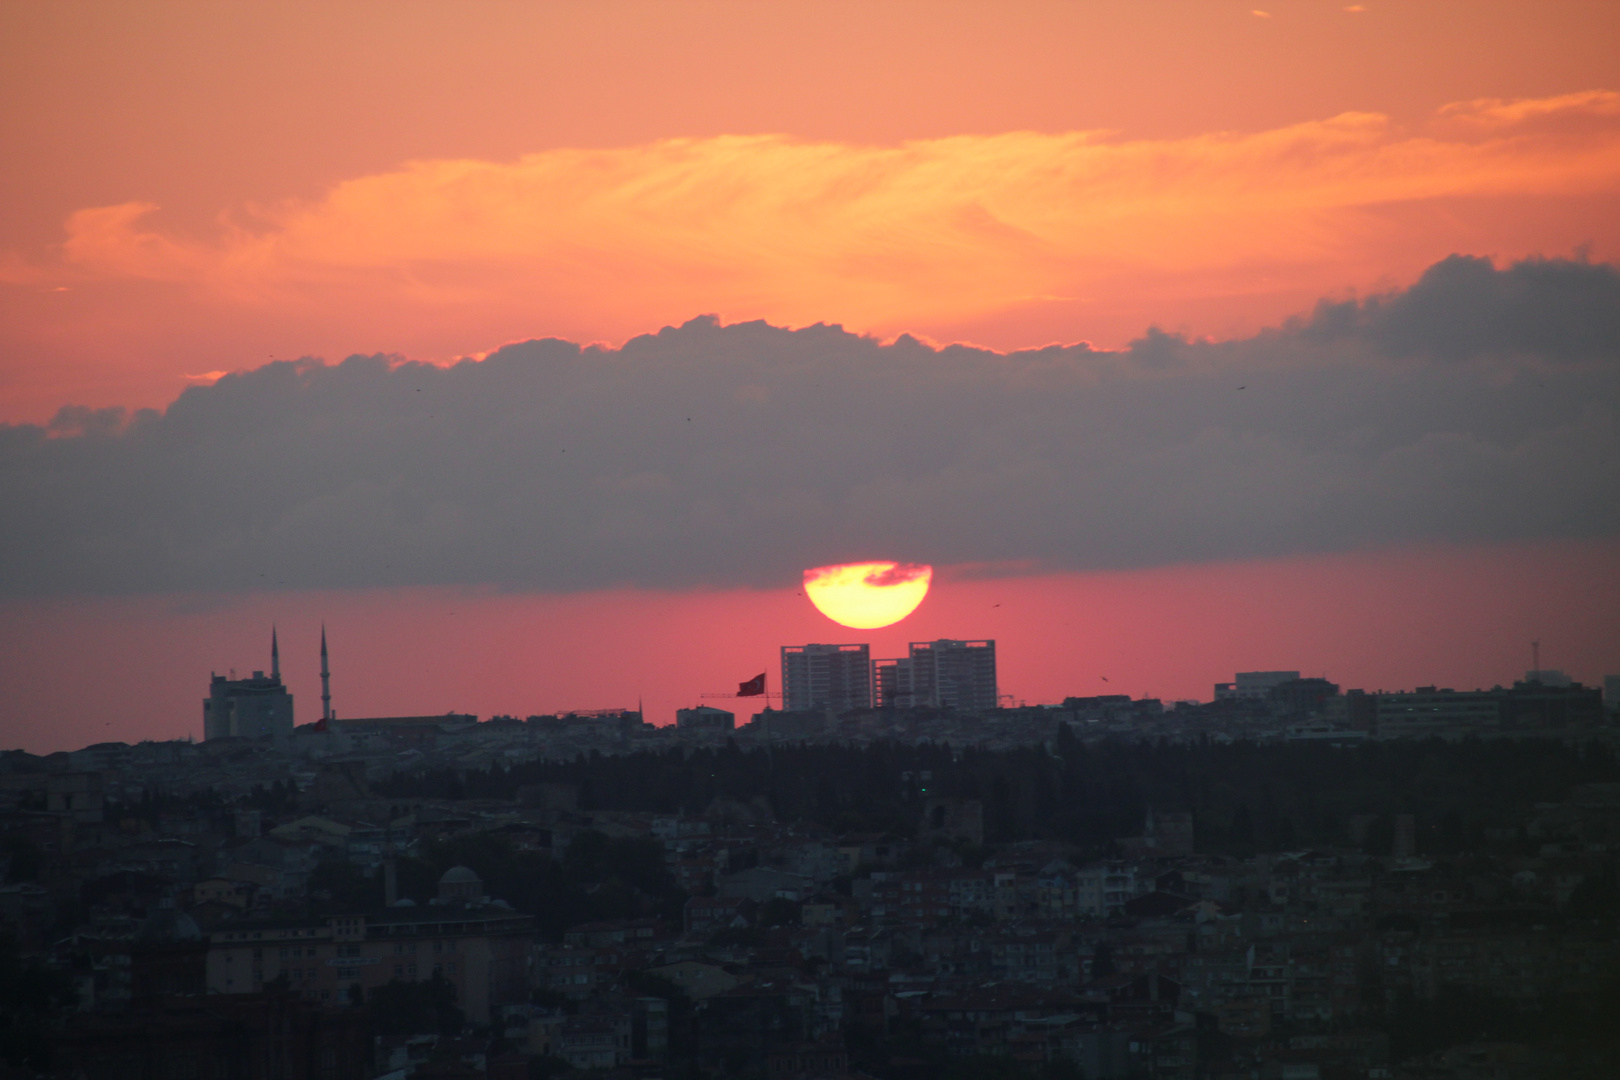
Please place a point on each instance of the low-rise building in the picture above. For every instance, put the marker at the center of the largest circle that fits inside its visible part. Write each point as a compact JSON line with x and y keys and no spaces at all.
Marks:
{"x":482,"y":951}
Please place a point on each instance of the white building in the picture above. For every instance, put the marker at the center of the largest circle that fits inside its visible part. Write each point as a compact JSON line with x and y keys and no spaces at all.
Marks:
{"x":834,"y":678}
{"x":940,"y":674}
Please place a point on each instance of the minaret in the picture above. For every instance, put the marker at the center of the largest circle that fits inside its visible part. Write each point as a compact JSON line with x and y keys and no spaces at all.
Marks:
{"x":326,"y":681}
{"x":275,"y":654}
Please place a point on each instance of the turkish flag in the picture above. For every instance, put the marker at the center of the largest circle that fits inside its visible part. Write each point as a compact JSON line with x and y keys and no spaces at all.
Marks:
{"x":753,"y":687}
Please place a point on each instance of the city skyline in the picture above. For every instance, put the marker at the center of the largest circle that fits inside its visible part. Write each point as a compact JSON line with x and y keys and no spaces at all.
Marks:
{"x":810,"y":540}
{"x":252,"y":684}
{"x":1210,"y":353}
{"x":434,"y":652}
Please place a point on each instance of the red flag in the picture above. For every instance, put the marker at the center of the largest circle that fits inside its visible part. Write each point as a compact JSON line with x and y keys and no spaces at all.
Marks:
{"x":753,"y":687}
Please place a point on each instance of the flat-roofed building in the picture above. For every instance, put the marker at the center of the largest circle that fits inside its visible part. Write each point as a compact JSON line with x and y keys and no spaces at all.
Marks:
{"x":1253,"y":685}
{"x":705,"y":718}
{"x":257,"y":707}
{"x":1548,"y":677}
{"x":1539,"y":704}
{"x":482,"y":949}
{"x":415,"y":730}
{"x":833,"y":678}
{"x":1429,"y":711}
{"x":943,"y":674}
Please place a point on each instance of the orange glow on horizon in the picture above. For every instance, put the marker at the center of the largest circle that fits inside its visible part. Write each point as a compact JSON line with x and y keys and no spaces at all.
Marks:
{"x":1467,"y":617}
{"x":870,"y":595}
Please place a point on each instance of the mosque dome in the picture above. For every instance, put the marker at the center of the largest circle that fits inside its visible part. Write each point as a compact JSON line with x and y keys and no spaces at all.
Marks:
{"x":460,"y":884}
{"x":168,"y":923}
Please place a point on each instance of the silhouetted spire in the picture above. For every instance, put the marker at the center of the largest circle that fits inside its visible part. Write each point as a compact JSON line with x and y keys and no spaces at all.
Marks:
{"x":275,"y":654}
{"x":326,"y":681}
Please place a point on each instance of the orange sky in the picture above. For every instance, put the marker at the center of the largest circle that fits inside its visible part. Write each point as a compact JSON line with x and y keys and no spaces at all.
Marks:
{"x":194,"y":188}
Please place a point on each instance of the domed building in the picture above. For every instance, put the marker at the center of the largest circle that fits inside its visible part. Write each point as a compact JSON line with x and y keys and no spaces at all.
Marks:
{"x":168,"y":956}
{"x":460,"y":885}
{"x":168,"y":924}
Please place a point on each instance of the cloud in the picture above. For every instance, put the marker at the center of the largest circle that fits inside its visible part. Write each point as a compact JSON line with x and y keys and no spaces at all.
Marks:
{"x":1590,"y":105}
{"x":1463,"y":307}
{"x":1480,"y":405}
{"x":936,"y":230}
{"x":899,"y":574}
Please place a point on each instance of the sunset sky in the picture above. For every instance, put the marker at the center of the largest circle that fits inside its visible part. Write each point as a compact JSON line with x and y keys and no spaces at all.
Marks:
{"x":1285,"y":337}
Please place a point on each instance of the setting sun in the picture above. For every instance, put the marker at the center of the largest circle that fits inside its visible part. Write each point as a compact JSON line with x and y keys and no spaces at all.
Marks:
{"x":870,"y":595}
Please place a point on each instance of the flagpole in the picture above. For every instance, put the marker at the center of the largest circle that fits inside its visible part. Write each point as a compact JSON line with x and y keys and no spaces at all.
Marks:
{"x":770,"y":734}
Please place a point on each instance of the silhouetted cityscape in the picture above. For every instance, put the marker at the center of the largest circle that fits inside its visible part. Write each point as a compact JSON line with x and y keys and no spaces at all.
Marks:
{"x":846,"y":541}
{"x":897,"y":874}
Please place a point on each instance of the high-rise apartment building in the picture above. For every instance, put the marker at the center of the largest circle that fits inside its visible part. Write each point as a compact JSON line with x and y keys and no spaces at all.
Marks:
{"x":940,"y":674}
{"x":254,"y":707}
{"x":837,"y":678}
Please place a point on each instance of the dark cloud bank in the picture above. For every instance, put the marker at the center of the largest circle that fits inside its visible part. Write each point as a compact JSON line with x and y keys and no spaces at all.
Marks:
{"x":1478,"y":405}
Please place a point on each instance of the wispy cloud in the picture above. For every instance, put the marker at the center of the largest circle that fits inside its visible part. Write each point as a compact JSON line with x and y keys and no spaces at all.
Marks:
{"x":935,"y":230}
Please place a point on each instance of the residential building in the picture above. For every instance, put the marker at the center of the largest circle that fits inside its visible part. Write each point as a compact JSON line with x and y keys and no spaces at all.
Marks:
{"x":705,"y":718}
{"x":482,"y":950}
{"x":1429,"y":711}
{"x":831,"y":678}
{"x":1540,"y":704}
{"x":943,"y":674}
{"x":1253,"y":685}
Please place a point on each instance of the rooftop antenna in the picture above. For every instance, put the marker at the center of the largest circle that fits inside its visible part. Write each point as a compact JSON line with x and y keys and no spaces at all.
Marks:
{"x":275,"y":654}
